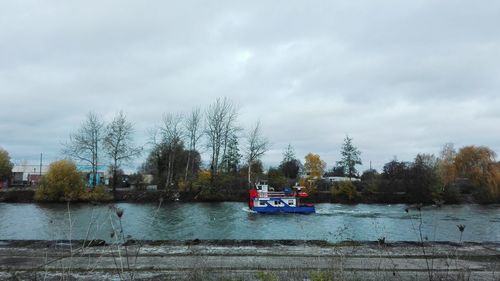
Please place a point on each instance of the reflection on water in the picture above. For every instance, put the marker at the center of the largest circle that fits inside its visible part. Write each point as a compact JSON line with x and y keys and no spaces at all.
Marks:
{"x":230,"y":220}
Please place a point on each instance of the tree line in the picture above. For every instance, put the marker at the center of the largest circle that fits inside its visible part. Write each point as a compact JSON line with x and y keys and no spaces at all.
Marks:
{"x":174,"y":160}
{"x":94,"y":138}
{"x":174,"y":157}
{"x":470,"y":174}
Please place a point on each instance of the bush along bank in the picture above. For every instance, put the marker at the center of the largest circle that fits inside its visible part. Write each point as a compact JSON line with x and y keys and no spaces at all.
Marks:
{"x":400,"y":183}
{"x":102,"y":194}
{"x":64,"y":183}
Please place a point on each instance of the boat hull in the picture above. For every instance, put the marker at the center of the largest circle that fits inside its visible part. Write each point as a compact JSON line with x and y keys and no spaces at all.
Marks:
{"x":285,"y":209}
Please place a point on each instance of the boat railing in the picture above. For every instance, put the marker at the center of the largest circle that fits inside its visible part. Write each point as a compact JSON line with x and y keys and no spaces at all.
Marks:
{"x":272,"y":194}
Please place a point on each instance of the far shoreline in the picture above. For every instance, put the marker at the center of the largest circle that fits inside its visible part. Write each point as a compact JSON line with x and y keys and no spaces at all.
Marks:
{"x":26,"y":195}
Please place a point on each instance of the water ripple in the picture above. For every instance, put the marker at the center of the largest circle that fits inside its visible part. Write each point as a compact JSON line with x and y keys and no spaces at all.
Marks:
{"x":232,"y":220}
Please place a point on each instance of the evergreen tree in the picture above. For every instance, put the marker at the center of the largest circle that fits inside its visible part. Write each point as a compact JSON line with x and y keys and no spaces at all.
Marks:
{"x":276,"y":178}
{"x":158,"y":161}
{"x":423,"y":180}
{"x":350,"y":158}
{"x":290,"y":165}
{"x":289,"y":154}
{"x":338,"y":171}
{"x":231,"y":161}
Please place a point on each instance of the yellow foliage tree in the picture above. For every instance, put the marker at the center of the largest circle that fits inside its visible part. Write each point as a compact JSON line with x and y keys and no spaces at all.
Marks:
{"x":5,"y":165}
{"x":447,"y":168}
{"x":477,"y":163}
{"x":495,"y":181}
{"x":314,"y":166}
{"x":62,"y":183}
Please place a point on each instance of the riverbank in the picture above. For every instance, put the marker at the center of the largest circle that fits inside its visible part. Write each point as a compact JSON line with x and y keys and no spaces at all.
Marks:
{"x":247,"y":260}
{"x":17,"y":195}
{"x":26,"y":195}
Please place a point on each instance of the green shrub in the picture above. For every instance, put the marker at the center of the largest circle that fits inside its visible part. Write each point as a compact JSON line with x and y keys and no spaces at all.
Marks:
{"x":451,"y":194}
{"x":62,"y":183}
{"x":98,"y":194}
{"x":321,"y":276}
{"x":345,"y":190}
{"x":202,"y":181}
{"x":266,"y":276}
{"x":276,"y":178}
{"x":5,"y":165}
{"x":483,"y":195}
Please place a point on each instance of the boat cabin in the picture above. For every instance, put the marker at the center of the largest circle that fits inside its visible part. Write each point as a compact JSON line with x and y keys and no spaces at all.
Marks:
{"x":264,"y":199}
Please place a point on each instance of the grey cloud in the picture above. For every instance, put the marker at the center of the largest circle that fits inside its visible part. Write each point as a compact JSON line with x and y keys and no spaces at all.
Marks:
{"x":399,"y":77}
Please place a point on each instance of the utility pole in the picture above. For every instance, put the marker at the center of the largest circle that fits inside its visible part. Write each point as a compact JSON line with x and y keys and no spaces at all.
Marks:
{"x":40,"y":164}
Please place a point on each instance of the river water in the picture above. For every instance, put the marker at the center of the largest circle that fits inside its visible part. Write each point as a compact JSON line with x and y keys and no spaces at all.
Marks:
{"x":233,"y":220}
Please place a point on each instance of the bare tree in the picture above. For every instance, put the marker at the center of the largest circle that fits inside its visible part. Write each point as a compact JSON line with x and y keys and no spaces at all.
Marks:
{"x":220,"y":124}
{"x":231,"y":129}
{"x":172,"y":136}
{"x":85,"y":144}
{"x":257,"y":145}
{"x":118,"y":143}
{"x":193,"y":133}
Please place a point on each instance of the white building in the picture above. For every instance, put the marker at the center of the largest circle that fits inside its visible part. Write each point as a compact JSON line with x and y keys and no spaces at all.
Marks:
{"x":27,"y":174}
{"x":339,"y":179}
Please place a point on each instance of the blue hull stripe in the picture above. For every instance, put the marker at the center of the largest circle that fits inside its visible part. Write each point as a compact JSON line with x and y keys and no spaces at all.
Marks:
{"x":284,"y":209}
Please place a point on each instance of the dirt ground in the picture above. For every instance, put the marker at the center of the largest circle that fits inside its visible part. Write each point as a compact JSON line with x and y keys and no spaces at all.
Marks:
{"x":247,"y":260}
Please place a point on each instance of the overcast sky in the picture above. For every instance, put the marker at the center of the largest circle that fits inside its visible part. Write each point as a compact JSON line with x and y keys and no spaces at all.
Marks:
{"x":400,"y":77}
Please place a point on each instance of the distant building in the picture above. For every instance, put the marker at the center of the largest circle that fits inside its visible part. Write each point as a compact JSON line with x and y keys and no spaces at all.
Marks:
{"x":101,"y":175}
{"x":330,"y":179}
{"x":27,"y":174}
{"x":339,"y":179}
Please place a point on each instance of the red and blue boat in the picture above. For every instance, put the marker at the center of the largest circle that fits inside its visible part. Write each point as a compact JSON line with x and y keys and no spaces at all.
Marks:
{"x":265,"y":200}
